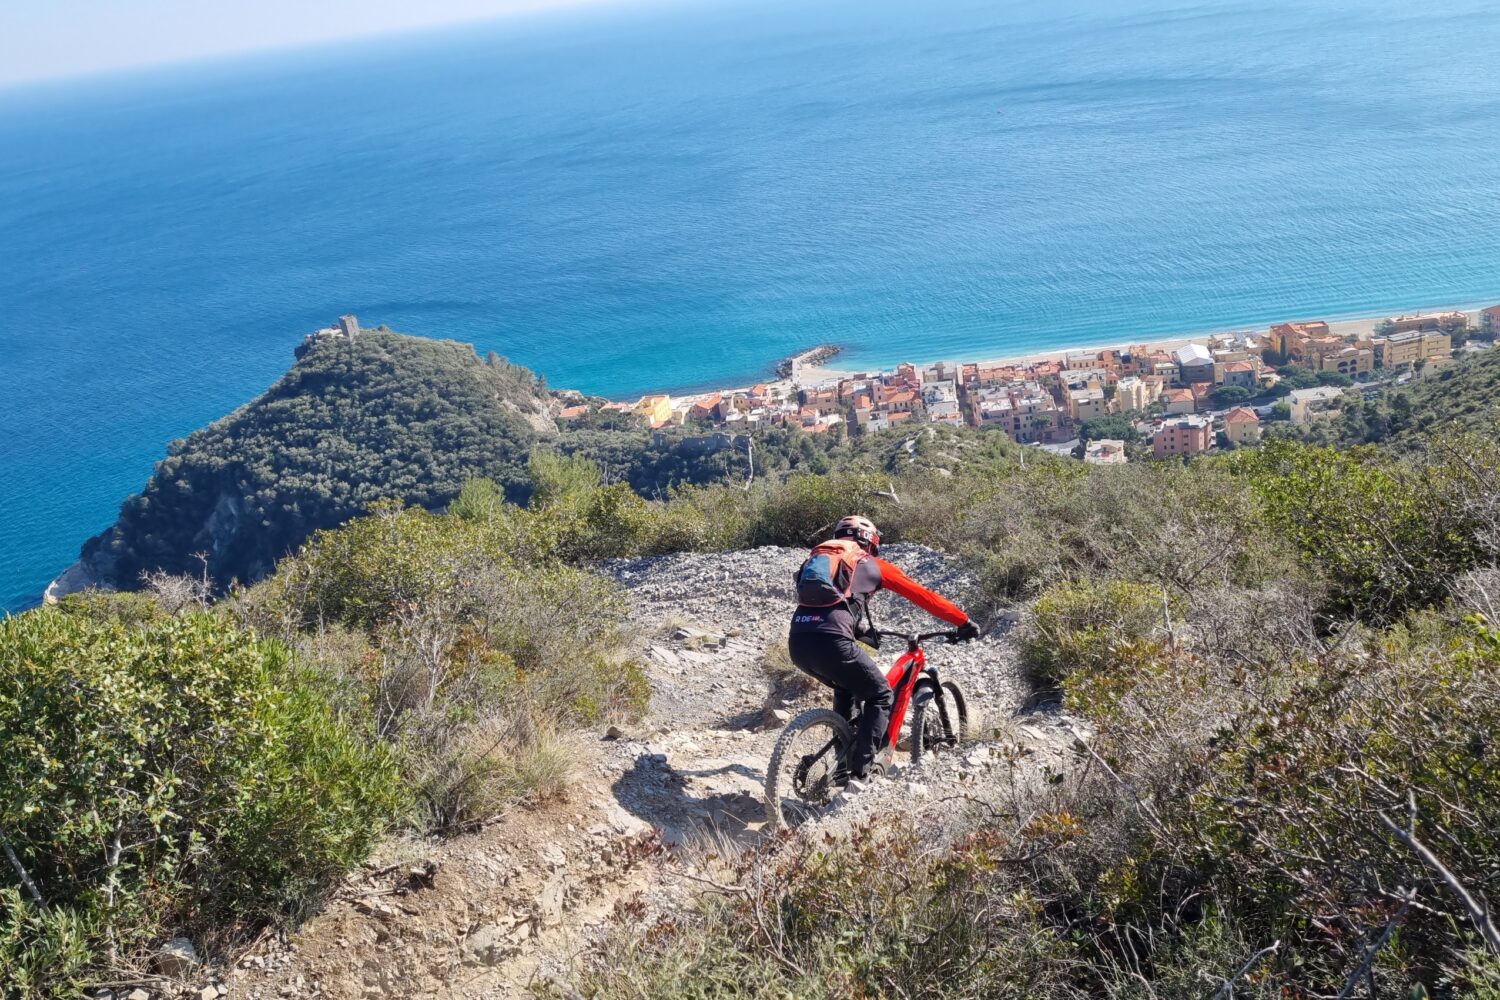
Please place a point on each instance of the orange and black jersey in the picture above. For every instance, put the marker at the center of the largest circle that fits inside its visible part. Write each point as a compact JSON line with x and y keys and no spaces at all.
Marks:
{"x":870,"y":576}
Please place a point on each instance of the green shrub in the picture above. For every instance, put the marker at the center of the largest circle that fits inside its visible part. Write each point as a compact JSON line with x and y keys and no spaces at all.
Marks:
{"x":180,"y":773}
{"x":128,"y":608}
{"x":1077,"y":627}
{"x":467,"y":644}
{"x":805,"y":507}
{"x":44,"y":952}
{"x":1257,"y":792}
{"x":1389,"y":535}
{"x":1291,"y":811}
{"x":1184,"y":527}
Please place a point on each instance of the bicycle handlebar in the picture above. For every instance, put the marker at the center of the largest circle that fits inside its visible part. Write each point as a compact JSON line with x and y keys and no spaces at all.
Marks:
{"x":950,"y":635}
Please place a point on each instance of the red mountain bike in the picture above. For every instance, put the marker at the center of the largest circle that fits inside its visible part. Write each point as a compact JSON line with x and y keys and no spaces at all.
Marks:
{"x":811,"y":754}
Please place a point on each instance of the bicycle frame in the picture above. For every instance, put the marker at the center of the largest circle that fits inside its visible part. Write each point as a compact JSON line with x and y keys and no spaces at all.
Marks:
{"x":903,"y":676}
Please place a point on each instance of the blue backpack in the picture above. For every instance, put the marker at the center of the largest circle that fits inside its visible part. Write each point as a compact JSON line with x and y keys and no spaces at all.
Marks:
{"x":826,"y":578}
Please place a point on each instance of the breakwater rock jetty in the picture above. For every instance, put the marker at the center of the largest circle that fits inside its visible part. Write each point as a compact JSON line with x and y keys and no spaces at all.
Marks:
{"x":787,"y":367}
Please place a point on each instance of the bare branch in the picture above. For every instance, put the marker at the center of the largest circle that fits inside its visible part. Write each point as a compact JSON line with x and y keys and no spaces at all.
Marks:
{"x":1227,"y":990}
{"x":1374,"y":949}
{"x":15,"y":862}
{"x":1477,"y":913}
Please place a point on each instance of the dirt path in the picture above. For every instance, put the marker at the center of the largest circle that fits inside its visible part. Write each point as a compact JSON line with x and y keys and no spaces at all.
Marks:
{"x":495,"y":912}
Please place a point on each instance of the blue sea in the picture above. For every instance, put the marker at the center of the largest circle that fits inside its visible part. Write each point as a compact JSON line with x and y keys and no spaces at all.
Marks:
{"x":630,"y":198}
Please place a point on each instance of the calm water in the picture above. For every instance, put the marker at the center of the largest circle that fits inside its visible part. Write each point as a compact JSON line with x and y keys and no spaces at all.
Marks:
{"x":684,"y":195}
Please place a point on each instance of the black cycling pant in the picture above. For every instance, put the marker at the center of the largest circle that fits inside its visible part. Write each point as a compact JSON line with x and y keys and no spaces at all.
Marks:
{"x":843,"y":665}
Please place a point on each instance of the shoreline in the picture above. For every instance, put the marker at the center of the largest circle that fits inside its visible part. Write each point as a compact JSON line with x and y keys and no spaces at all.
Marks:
{"x":1340,"y":326}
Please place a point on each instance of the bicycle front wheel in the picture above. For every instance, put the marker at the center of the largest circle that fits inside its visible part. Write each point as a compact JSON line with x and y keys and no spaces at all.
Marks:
{"x":805,"y":770}
{"x":939,"y":720}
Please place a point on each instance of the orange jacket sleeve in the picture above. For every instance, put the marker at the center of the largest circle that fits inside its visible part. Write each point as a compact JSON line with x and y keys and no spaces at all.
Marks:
{"x":938,"y":606}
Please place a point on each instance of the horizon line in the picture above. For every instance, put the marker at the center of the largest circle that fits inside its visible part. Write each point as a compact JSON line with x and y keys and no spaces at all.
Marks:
{"x":535,"y":9}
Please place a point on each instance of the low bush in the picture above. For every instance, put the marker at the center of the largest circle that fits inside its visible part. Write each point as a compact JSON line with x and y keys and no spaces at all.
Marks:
{"x":175,"y":775}
{"x":1387,"y":534}
{"x":468,"y":646}
{"x":1079,"y":626}
{"x":878,"y":915}
{"x":1183,"y":527}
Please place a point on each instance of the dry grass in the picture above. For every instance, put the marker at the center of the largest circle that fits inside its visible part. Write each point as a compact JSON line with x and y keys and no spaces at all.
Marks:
{"x":473,"y":772}
{"x":787,"y":682}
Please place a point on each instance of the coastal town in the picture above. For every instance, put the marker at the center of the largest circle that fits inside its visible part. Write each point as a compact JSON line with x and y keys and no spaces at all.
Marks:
{"x":1181,"y":397}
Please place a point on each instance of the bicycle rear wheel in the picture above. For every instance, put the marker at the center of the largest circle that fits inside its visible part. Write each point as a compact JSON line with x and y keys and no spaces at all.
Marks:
{"x":939,"y":720}
{"x":801,"y":776}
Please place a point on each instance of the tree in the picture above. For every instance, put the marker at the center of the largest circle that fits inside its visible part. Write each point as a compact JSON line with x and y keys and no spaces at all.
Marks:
{"x":1297,"y":377}
{"x":1334,"y":378}
{"x":1229,"y":395}
{"x":1116,"y":426}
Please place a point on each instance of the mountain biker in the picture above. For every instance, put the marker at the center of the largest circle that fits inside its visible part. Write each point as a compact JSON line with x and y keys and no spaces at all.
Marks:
{"x":822,"y":640}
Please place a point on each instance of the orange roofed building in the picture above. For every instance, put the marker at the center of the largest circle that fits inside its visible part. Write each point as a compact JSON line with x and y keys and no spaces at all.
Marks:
{"x":1242,"y":426}
{"x":1179,"y":401}
{"x":706,"y":408}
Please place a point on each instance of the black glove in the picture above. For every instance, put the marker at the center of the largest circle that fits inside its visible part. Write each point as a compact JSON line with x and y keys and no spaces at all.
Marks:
{"x":870,"y":638}
{"x":968,"y":630}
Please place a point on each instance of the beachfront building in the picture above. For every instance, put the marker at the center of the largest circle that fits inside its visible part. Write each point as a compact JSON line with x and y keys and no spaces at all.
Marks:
{"x":1187,"y":435}
{"x":1292,"y":340}
{"x":1242,"y":426}
{"x":940,"y":371}
{"x":1355,"y":359}
{"x":705,"y":410}
{"x":656,"y":410}
{"x":1411,"y":346}
{"x":1489,"y":322}
{"x":1105,"y":451}
{"x":1446,"y":322}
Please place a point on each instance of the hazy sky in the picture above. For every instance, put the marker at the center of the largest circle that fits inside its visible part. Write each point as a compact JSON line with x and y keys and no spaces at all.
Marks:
{"x":41,"y":39}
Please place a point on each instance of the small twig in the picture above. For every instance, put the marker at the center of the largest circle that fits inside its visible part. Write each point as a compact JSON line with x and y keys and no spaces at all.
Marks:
{"x":1141,"y":805}
{"x":728,"y":890}
{"x":1227,"y":990}
{"x":1365,"y":967}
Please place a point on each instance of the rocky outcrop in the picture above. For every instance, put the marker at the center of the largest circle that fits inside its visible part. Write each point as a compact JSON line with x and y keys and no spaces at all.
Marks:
{"x":78,"y":577}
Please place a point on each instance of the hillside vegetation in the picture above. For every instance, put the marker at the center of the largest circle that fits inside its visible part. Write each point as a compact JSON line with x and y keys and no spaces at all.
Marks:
{"x":1461,"y":397}
{"x":1287,"y":660}
{"x":383,"y":416}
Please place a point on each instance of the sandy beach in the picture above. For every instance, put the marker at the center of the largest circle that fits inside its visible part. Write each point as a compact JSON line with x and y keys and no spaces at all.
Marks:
{"x":1354,"y":326}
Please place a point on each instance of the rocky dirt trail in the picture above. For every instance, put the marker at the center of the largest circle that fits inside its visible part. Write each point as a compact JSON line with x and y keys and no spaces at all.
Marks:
{"x":502,"y":911}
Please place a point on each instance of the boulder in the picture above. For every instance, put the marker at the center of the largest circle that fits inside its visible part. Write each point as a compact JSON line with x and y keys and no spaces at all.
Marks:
{"x":550,"y":903}
{"x":176,"y":958}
